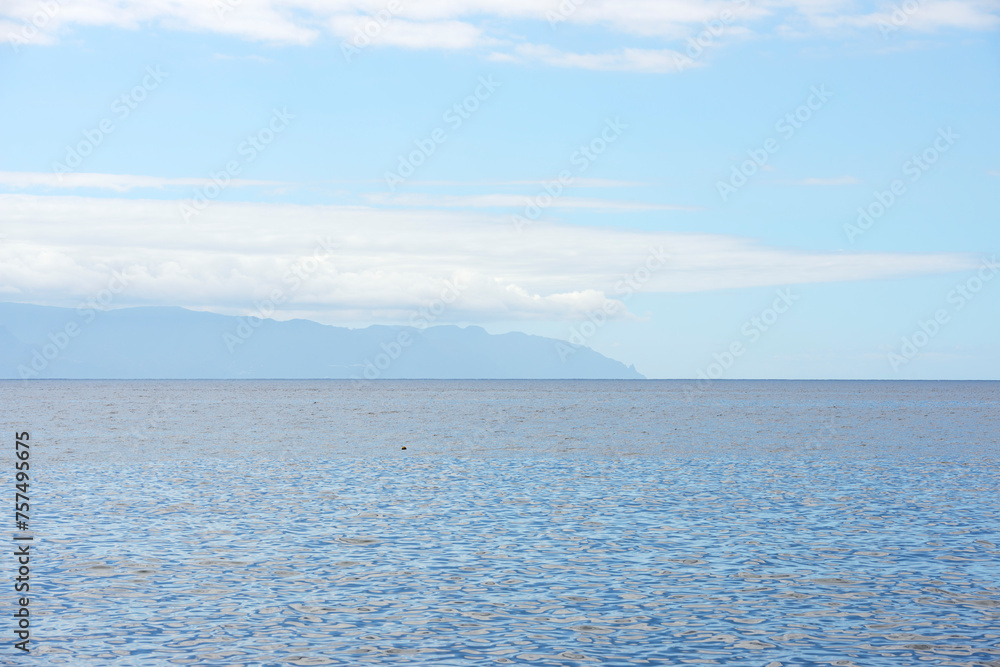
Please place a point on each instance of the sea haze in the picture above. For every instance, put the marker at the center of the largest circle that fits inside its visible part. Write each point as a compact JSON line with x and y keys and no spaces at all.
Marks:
{"x":526,"y":522}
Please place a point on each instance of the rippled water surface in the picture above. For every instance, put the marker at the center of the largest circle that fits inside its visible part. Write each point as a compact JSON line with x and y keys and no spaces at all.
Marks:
{"x":577,"y":523}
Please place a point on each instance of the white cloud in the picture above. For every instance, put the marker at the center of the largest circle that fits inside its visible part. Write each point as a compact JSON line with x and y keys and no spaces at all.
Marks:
{"x":61,"y":250}
{"x":252,"y":57}
{"x":515,"y":201}
{"x":837,"y":180}
{"x":258,"y":20}
{"x":923,"y":16}
{"x":596,"y":183}
{"x":116,"y":182}
{"x":449,"y":35}
{"x":577,"y":182}
{"x":635,"y":60}
{"x":478,"y":24}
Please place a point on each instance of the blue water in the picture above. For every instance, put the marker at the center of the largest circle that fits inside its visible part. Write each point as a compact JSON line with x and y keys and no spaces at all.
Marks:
{"x":549,"y":523}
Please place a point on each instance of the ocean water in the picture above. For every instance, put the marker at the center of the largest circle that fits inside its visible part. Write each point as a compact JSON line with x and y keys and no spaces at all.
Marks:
{"x":526,"y":523}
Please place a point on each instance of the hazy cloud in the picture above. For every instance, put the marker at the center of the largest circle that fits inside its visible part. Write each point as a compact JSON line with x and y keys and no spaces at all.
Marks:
{"x":476,"y":24}
{"x":116,"y":182}
{"x":385,"y":262}
{"x":837,"y":180}
{"x":516,"y":201}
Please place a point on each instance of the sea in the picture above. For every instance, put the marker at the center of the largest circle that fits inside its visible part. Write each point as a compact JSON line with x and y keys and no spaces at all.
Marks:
{"x":762,"y":523}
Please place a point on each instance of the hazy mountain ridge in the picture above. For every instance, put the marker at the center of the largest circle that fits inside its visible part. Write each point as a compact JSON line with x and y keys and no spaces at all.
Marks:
{"x":176,"y":343}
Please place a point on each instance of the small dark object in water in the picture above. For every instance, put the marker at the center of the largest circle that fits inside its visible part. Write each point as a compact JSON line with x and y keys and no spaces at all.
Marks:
{"x":404,"y":447}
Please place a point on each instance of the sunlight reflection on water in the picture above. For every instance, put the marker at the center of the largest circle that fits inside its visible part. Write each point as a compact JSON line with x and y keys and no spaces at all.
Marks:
{"x":281,"y":555}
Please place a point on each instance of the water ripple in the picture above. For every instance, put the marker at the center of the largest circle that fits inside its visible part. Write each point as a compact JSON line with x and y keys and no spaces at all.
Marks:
{"x":628,"y":561}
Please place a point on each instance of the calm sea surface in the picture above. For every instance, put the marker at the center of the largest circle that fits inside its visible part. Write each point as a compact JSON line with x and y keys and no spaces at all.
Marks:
{"x":542,"y":523}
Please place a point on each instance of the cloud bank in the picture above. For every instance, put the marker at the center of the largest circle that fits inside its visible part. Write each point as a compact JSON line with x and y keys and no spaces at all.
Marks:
{"x":483,"y":24}
{"x":383,"y":264}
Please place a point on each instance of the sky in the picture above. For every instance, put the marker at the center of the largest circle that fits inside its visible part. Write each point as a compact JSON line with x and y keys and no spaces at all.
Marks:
{"x":781,"y":189}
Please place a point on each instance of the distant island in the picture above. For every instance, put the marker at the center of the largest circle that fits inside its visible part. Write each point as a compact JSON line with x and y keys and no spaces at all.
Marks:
{"x":39,"y":342}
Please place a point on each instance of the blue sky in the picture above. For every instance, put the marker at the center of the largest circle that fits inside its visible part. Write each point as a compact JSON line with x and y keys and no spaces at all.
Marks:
{"x":203,"y":150}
